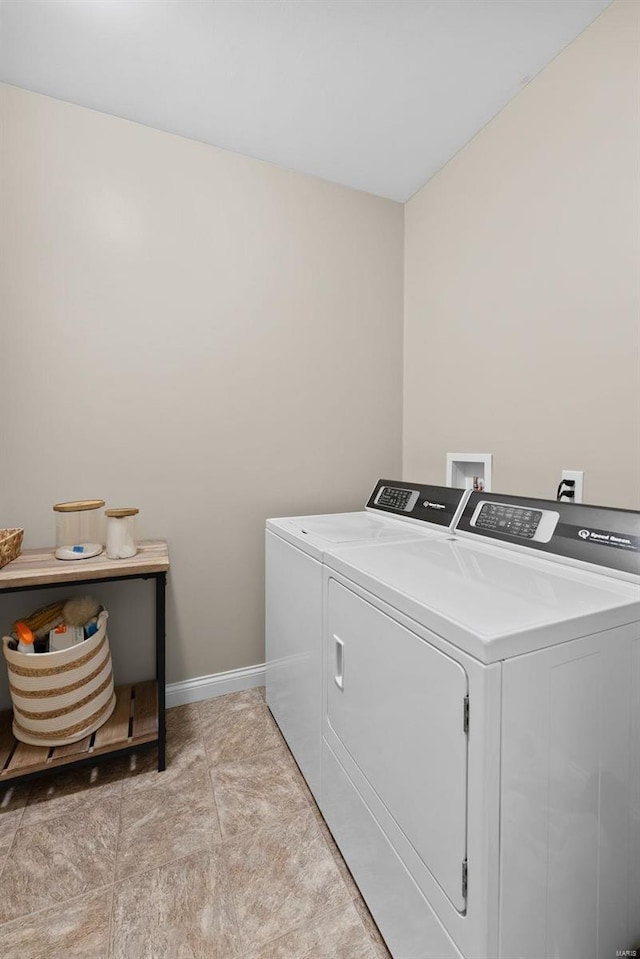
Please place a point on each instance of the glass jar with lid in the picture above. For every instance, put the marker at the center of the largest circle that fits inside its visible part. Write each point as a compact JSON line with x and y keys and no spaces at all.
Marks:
{"x":79,"y":529}
{"x":121,"y":533}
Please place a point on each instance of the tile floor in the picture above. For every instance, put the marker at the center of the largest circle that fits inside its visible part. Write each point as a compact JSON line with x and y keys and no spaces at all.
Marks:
{"x":222,"y":856}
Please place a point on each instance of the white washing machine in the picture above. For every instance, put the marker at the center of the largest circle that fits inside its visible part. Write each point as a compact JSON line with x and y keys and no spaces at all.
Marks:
{"x":295,"y":548}
{"x":481,"y":731}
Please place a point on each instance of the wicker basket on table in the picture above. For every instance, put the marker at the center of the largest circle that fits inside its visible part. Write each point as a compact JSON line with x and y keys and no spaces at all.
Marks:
{"x":10,"y":545}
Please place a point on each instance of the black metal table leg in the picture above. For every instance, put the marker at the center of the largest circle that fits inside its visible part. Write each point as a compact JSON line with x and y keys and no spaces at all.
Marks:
{"x":161,"y":582}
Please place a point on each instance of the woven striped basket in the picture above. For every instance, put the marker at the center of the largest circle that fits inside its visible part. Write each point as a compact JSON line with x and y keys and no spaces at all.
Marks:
{"x":61,"y":697}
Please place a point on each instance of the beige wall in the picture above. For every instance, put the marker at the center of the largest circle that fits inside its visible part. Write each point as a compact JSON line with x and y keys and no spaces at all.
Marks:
{"x":521,"y":292}
{"x":210,"y":338}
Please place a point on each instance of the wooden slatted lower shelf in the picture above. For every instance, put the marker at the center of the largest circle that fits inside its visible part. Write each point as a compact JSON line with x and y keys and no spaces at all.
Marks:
{"x":133,"y":722}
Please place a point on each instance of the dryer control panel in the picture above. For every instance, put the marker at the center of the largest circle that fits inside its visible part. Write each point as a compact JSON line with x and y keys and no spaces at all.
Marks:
{"x":437,"y":505}
{"x":522,"y":522}
{"x":515,"y":520}
{"x":574,"y":532}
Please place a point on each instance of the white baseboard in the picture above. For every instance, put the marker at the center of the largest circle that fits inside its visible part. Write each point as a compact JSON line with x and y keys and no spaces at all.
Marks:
{"x":206,"y":687}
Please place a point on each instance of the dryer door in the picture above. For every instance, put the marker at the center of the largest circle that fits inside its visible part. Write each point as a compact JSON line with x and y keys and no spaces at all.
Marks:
{"x":397,"y":705}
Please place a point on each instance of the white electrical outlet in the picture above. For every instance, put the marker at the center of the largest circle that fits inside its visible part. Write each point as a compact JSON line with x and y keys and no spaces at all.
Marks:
{"x":578,"y":488}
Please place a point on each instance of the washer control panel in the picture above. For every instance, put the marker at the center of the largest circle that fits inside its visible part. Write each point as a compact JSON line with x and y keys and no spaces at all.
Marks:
{"x":394,"y":497}
{"x":438,"y":506}
{"x":514,"y":520}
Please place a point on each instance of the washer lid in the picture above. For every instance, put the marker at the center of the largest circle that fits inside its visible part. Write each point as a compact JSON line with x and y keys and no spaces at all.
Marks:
{"x":395,"y":510}
{"x":486,"y":600}
{"x":350,"y":527}
{"x":316,"y":534}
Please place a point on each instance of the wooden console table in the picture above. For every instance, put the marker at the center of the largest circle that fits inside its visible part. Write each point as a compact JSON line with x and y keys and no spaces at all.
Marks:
{"x":138,"y":720}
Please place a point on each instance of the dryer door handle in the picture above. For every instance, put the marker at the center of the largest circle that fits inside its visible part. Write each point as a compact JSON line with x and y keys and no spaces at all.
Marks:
{"x":339,"y":675}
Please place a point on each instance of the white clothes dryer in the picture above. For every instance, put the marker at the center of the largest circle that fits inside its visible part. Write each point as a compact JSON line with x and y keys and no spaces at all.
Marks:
{"x":481,"y":731}
{"x":295,"y":549}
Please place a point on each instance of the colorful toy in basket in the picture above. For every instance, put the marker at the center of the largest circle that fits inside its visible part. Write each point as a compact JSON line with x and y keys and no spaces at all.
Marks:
{"x":80,"y":612}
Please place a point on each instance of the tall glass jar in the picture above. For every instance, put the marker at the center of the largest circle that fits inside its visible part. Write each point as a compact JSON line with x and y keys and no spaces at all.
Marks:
{"x":121,"y":533}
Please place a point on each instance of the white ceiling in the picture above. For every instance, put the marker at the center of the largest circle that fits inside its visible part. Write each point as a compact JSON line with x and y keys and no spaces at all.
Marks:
{"x":373,"y":94}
